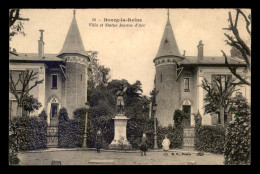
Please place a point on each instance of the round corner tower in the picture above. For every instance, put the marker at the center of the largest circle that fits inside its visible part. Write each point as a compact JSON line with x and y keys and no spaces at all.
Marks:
{"x":76,"y":58}
{"x":166,"y":60}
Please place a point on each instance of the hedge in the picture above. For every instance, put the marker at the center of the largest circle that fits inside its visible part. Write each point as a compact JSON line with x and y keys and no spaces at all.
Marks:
{"x":237,"y":146}
{"x":37,"y":134}
{"x":209,"y":139}
{"x":80,"y":117}
{"x":106,"y":125}
{"x":178,"y":116}
{"x":29,"y":133}
{"x":68,"y":130}
{"x":162,"y":131}
{"x":136,"y":126}
{"x":237,"y":149}
{"x":13,"y":150}
{"x":135,"y":129}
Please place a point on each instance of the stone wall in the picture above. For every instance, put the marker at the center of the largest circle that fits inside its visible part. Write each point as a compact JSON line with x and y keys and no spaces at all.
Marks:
{"x":76,"y":87}
{"x":169,"y":93}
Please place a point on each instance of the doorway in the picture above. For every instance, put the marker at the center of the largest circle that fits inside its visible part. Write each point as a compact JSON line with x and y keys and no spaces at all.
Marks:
{"x":54,"y":114}
{"x":186,"y":109}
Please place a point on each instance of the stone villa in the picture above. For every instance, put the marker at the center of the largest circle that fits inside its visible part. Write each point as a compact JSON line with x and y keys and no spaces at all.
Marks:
{"x":178,"y":78}
{"x":65,"y":75}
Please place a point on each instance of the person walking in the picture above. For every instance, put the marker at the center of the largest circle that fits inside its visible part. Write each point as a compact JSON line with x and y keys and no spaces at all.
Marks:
{"x":98,"y":141}
{"x":144,"y":145}
{"x":166,"y":143}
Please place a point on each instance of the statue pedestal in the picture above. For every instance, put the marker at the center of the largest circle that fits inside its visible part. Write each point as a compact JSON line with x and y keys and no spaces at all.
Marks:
{"x":120,"y":141}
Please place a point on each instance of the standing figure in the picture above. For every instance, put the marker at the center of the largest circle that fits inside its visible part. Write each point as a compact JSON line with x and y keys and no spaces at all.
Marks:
{"x":166,"y":143}
{"x":144,"y":145}
{"x":120,"y":100}
{"x":98,"y":141}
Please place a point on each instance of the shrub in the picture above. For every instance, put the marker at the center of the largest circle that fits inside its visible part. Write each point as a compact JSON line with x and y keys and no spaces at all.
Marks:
{"x":13,"y":158}
{"x":43,"y":115}
{"x":13,"y":150}
{"x":19,"y":127}
{"x":29,"y":133}
{"x":209,"y":138}
{"x":177,"y":136}
{"x":31,"y":104}
{"x":80,"y":116}
{"x":106,"y":125}
{"x":237,"y":148}
{"x":37,"y":134}
{"x":178,"y":116}
{"x":162,"y":131}
{"x":135,"y":129}
{"x":198,"y":119}
{"x":63,"y":115}
{"x":68,"y":130}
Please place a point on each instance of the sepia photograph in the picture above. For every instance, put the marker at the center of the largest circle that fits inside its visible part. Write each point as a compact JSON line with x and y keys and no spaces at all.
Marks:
{"x":129,"y":86}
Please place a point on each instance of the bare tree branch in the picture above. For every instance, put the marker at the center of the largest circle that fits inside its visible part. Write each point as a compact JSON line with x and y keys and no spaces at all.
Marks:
{"x":236,"y":33}
{"x":24,"y":78}
{"x":242,"y":51}
{"x":236,"y":19}
{"x":233,"y":70}
{"x":247,"y":21}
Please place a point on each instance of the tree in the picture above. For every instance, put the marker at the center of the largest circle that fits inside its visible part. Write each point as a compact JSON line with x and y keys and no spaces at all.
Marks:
{"x":15,"y":23}
{"x":31,"y":104}
{"x":97,"y":73}
{"x":219,"y":92}
{"x":20,"y":88}
{"x":237,"y":42}
{"x":239,"y":105}
{"x":133,"y":96}
{"x":237,"y":147}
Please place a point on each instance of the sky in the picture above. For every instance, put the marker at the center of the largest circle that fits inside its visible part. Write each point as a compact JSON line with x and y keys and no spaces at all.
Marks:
{"x":128,"y":51}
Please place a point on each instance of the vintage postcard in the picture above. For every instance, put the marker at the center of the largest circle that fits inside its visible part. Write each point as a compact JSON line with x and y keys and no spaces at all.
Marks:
{"x":155,"y":86}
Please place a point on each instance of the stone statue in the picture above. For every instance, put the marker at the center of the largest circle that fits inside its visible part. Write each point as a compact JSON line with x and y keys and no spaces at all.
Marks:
{"x":120,"y":100}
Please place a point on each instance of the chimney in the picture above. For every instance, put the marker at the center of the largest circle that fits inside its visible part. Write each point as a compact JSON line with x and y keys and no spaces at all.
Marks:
{"x":184,"y":53}
{"x":200,"y":50}
{"x":41,"y":45}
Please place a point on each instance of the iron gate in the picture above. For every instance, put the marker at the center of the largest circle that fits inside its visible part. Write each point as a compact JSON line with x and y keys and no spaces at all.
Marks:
{"x":52,"y":136}
{"x":188,"y":137}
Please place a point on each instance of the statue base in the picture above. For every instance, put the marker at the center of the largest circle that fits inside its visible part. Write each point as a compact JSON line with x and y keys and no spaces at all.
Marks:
{"x":120,"y":141}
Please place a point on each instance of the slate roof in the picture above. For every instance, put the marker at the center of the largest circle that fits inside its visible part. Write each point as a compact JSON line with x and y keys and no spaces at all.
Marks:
{"x":212,"y":60}
{"x":34,"y":57}
{"x":168,"y":45}
{"x":73,"y":42}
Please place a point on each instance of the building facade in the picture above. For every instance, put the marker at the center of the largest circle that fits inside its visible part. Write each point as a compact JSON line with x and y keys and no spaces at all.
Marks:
{"x":64,"y":75}
{"x":178,"y":79}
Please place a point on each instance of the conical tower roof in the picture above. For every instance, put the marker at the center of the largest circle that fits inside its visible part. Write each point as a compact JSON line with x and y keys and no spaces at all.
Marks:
{"x":168,"y":46}
{"x":73,"y":42}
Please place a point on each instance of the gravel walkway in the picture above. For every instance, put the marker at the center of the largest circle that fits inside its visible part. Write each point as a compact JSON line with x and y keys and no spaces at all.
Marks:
{"x":90,"y":157}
